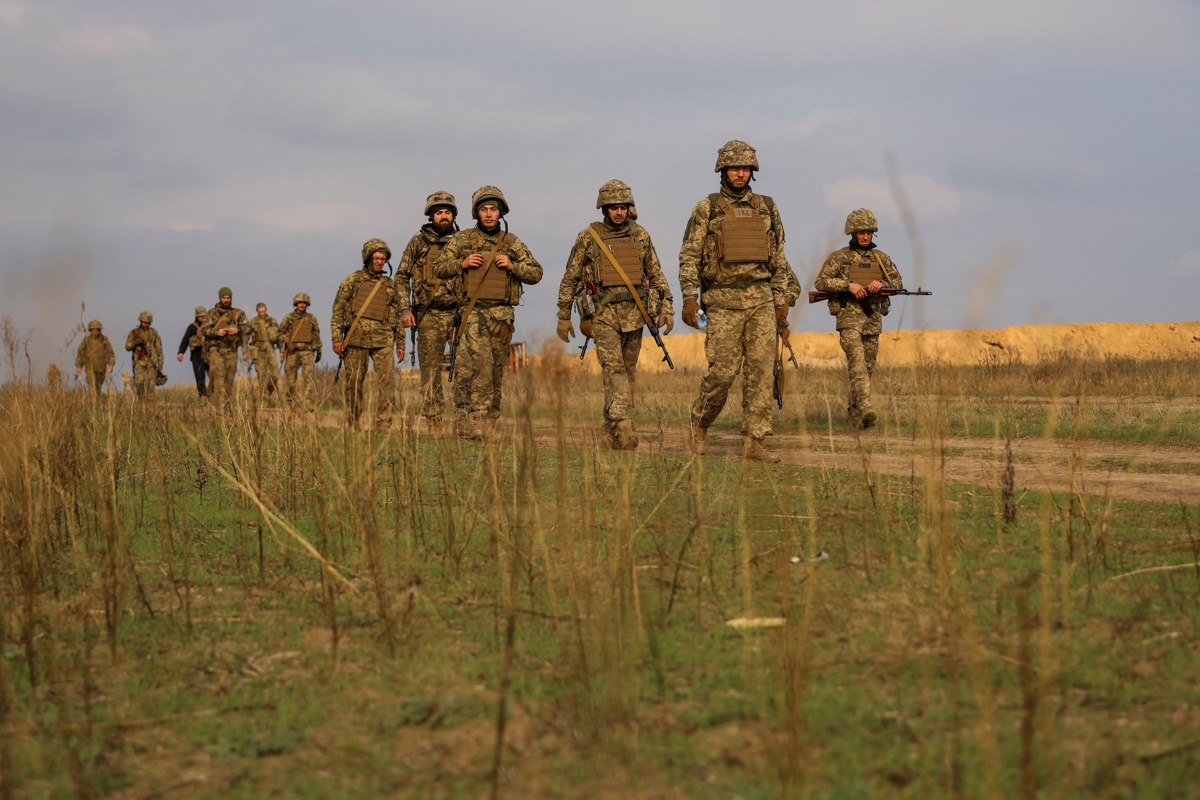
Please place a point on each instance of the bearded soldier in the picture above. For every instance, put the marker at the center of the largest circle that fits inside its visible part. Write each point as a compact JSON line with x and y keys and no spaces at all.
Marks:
{"x":224,"y":332}
{"x":733,"y":256}
{"x":299,"y":342}
{"x":261,"y":350}
{"x":96,"y":353}
{"x":366,"y":326}
{"x":494,"y":265}
{"x":857,"y":273}
{"x":626,"y":280}
{"x":433,"y":301}
{"x":195,"y":342}
{"x":146,"y":346}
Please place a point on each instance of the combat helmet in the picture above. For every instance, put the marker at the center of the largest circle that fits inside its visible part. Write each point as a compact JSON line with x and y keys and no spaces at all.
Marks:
{"x":201,"y":311}
{"x":301,"y":297}
{"x":440,"y":199}
{"x":485,"y":193}
{"x":372,"y":246}
{"x":146,"y":317}
{"x":859,"y":220}
{"x":736,"y":153}
{"x":614,"y":192}
{"x":95,"y":325}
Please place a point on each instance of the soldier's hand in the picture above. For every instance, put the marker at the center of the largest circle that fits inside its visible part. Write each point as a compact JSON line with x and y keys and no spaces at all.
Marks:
{"x":78,"y":371}
{"x":282,"y":356}
{"x":690,"y":307}
{"x":180,"y":357}
{"x":875,"y":287}
{"x":858,"y":291}
{"x":245,"y":356}
{"x":472,"y":261}
{"x":565,"y":330}
{"x":339,"y":347}
{"x":400,"y":352}
{"x":503,"y":262}
{"x":784,"y":333}
{"x":665,"y":324}
{"x":781,"y":320}
{"x":585,"y":327}
{"x":408,"y":319}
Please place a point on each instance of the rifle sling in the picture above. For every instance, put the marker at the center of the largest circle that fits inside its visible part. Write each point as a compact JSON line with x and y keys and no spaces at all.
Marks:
{"x":358,"y":316}
{"x":486,"y":268}
{"x":617,"y":266}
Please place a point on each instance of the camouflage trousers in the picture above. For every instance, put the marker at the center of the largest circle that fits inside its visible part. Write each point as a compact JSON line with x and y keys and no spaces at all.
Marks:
{"x":95,"y":381}
{"x":355,"y":361}
{"x":861,"y":349}
{"x":144,"y":376}
{"x":266,"y":368}
{"x":222,"y":368}
{"x":298,"y":372}
{"x":618,"y":354}
{"x":479,"y":368}
{"x":432,"y":335}
{"x":737,"y":336}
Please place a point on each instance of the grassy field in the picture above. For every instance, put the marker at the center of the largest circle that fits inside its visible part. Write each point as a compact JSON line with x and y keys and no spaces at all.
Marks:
{"x":265,"y":605}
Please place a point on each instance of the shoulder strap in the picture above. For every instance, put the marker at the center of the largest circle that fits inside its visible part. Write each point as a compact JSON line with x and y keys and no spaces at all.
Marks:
{"x":361,"y":309}
{"x":487,"y":266}
{"x":437,"y":282}
{"x":296,"y":330}
{"x":617,"y":266}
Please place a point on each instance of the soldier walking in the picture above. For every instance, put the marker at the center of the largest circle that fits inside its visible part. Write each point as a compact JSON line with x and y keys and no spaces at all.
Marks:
{"x":299,"y":342}
{"x":614,"y":262}
{"x":224,"y":332}
{"x":195,"y":342}
{"x":732,"y":255}
{"x":261,"y":350}
{"x":433,"y":302}
{"x":365,"y":328}
{"x":857,"y":273}
{"x":146,"y":346}
{"x":493,"y":265}
{"x":95,"y":352}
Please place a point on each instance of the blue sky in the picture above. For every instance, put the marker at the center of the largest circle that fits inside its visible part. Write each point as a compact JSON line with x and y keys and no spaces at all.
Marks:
{"x":152,"y":152}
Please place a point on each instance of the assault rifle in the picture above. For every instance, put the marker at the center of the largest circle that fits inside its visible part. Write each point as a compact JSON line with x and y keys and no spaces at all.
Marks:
{"x":341,"y":355}
{"x":455,"y":324}
{"x":657,"y":336}
{"x":586,"y":306}
{"x":887,"y":291}
{"x":778,"y":368}
{"x":412,"y":358}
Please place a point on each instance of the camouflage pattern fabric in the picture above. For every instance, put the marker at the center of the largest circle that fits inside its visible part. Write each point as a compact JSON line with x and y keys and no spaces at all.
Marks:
{"x":299,"y":370}
{"x":617,"y":351}
{"x":262,"y":353}
{"x":285,"y":331}
{"x":410,"y":275}
{"x":369,"y":333}
{"x":836,"y":276}
{"x":737,"y":336}
{"x":525,"y":268}
{"x":95,"y":381}
{"x":699,"y":261}
{"x":861,"y":350}
{"x":144,"y":377}
{"x":95,"y":353}
{"x":219,"y":317}
{"x":432,"y":335}
{"x":355,"y":364}
{"x":222,"y":369}
{"x":151,"y":356}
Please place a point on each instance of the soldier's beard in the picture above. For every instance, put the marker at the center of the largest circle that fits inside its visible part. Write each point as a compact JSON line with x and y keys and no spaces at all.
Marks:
{"x":443,"y":229}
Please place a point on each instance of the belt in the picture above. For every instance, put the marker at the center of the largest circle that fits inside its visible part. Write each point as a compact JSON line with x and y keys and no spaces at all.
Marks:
{"x":735,"y":285}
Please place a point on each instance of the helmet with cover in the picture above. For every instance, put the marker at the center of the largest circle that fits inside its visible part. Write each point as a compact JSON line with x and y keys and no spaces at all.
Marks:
{"x":859,"y":220}
{"x":201,"y":311}
{"x":373,"y":246}
{"x":485,"y":194}
{"x":440,"y":199}
{"x":301,"y":297}
{"x":146,"y":317}
{"x":736,"y":153}
{"x":95,"y":325}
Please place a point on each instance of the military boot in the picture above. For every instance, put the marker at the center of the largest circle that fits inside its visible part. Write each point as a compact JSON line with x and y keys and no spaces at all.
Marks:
{"x":868,"y":419}
{"x":699,"y":439}
{"x":624,"y":437}
{"x":756,"y":450}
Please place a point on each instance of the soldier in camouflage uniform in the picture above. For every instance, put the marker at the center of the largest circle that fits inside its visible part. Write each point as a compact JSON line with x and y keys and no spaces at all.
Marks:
{"x":224,"y":331}
{"x":299,"y":343}
{"x":494,"y":265}
{"x":96,"y":353}
{"x":733,"y":256}
{"x":433,"y":302}
{"x":617,"y":323}
{"x":857,"y":273}
{"x":146,"y":346}
{"x":365,"y":328}
{"x":261,"y":350}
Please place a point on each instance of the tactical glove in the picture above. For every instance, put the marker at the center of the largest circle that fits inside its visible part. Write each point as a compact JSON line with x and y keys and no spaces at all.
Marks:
{"x":585,"y":327}
{"x":665,"y":324}
{"x":565,"y":331}
{"x":690,"y":308}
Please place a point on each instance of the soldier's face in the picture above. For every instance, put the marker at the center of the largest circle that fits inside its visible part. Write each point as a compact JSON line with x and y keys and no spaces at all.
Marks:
{"x":618,"y":213}
{"x":200,"y":319}
{"x":226,"y":300}
{"x":262,"y":311}
{"x":489,"y":215}
{"x":302,"y":306}
{"x":864,"y":237}
{"x":95,"y":333}
{"x":143,"y":325}
{"x":443,"y":217}
{"x":738,"y":176}
{"x":378,"y":259}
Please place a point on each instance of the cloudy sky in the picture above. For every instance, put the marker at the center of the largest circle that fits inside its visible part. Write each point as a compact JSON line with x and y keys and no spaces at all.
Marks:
{"x":151,"y":152}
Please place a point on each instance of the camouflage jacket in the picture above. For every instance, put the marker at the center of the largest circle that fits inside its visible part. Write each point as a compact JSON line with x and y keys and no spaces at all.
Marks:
{"x":700,"y":267}
{"x":411,"y":274}
{"x":584,"y":265}
{"x":262,"y":332}
{"x":95,"y":353}
{"x":836,"y":275}
{"x":370,"y":333}
{"x":525,"y":268}
{"x":219,"y":317}
{"x":145,"y":344}
{"x":285,"y":331}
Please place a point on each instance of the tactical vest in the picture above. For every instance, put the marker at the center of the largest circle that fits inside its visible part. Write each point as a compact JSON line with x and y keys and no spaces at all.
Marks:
{"x":431,"y":256}
{"x":94,"y":353}
{"x":259,"y":326}
{"x":743,"y":238}
{"x":141,"y":345}
{"x":866,"y":268}
{"x":303,"y":332}
{"x":495,"y":286}
{"x":624,"y":248}
{"x":378,"y":308}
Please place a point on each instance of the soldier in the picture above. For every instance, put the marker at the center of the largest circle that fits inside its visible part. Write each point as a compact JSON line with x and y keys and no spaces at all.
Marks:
{"x":433,"y":302}
{"x":617,"y":323}
{"x":224,"y":332}
{"x":146,"y":346}
{"x":494,"y":265}
{"x":365,"y":326}
{"x":96,"y":353}
{"x":857,"y":273}
{"x":733,"y":254}
{"x":192,"y":339}
{"x":262,"y":350}
{"x":299,"y":342}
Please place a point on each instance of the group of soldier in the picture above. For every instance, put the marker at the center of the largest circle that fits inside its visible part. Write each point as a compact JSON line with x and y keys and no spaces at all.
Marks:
{"x":460,"y":287}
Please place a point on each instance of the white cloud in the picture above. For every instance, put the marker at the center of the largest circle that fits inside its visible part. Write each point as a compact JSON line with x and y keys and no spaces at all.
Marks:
{"x":11,"y":13}
{"x":1187,"y":264}
{"x":929,"y":198}
{"x":103,"y":41}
